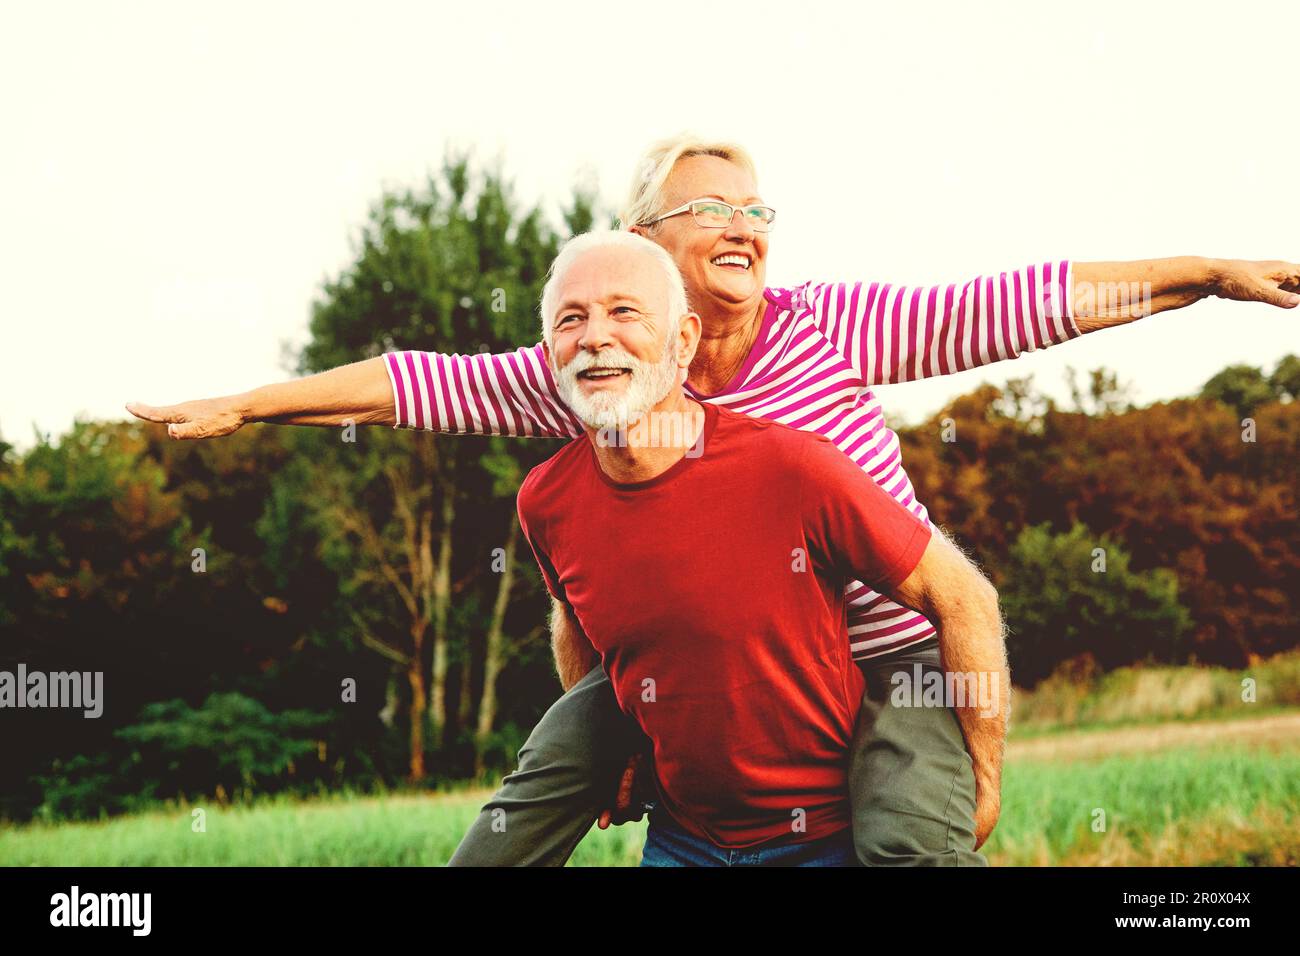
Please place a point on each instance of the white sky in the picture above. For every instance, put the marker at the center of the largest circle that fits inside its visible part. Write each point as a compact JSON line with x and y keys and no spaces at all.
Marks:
{"x":174,"y":185}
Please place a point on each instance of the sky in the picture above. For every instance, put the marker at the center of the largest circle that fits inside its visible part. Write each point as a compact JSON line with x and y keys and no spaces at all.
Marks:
{"x":177,"y":181}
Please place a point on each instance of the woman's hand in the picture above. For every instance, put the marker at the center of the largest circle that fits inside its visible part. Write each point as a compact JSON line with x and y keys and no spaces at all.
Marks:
{"x":1275,"y":282}
{"x":205,"y":418}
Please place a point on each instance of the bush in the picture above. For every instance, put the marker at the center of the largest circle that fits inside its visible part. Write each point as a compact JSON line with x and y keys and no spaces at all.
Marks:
{"x":1075,"y":593}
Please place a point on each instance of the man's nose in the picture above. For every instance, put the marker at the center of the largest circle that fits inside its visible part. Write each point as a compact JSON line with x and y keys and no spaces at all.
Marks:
{"x":598,"y":331}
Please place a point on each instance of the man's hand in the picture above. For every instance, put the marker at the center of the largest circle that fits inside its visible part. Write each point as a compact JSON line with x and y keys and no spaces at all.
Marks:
{"x":206,"y":418}
{"x":988,"y":807}
{"x":1275,"y":282}
{"x":626,"y":809}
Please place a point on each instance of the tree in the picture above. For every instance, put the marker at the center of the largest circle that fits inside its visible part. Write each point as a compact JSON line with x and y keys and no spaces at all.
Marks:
{"x":1285,"y":380}
{"x":1073,"y":593}
{"x":408,"y":519}
{"x":1242,"y":387}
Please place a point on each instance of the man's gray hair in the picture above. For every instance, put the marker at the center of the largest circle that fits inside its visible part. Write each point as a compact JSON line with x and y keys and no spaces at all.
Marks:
{"x":587,"y":241}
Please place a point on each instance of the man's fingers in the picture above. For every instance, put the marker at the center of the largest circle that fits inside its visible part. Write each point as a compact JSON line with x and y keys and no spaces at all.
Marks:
{"x":986,"y":818}
{"x":604,"y":820}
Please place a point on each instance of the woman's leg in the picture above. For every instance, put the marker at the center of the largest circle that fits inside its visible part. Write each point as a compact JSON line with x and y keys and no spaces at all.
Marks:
{"x":911,"y":786}
{"x":568,"y":773}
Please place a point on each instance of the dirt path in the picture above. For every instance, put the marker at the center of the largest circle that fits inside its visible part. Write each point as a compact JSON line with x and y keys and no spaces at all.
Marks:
{"x":1275,"y":731}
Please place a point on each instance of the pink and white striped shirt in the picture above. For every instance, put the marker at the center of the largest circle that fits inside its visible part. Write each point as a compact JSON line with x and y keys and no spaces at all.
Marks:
{"x":820,"y":349}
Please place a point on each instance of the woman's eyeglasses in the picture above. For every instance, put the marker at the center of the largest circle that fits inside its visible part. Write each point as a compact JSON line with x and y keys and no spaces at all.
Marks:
{"x":716,"y":214}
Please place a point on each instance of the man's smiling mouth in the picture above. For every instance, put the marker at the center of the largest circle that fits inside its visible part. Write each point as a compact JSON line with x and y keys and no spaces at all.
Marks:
{"x":599,"y":374}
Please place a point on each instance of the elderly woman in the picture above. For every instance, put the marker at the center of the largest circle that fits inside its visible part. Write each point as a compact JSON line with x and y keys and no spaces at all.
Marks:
{"x":925,"y":781}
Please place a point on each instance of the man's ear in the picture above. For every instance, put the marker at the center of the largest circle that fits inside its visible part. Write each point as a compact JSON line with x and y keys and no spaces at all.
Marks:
{"x":689,"y":332}
{"x":639,"y":230}
{"x":546,"y":351}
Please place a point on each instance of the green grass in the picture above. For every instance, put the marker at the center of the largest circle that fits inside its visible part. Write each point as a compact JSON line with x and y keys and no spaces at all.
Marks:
{"x":1143,"y":695}
{"x":338,"y":831}
{"x":1192,"y":806}
{"x":1213,"y":805}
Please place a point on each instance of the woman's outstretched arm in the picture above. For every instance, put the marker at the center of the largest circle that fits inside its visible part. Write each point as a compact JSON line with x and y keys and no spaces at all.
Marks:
{"x":360,"y":393}
{"x":902,"y":333}
{"x":509,"y":393}
{"x":1113,"y":293}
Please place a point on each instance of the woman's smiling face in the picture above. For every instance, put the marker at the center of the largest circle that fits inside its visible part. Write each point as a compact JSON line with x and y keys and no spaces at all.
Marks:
{"x":702,"y":253}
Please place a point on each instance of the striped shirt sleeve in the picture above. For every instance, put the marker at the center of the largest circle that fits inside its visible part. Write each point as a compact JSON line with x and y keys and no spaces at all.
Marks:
{"x":900,"y":334}
{"x":510,"y":393}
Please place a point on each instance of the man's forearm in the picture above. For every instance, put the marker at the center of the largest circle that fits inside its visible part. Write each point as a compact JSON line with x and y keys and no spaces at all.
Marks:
{"x":950,"y":590}
{"x":971,"y":643}
{"x":360,"y":393}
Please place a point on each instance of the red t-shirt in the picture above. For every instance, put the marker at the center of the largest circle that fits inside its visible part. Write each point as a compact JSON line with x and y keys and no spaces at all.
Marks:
{"x":714,"y":593}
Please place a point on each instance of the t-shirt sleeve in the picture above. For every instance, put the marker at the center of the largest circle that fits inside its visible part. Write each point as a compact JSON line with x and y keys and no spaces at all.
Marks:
{"x":535,"y":541}
{"x":852,"y":524}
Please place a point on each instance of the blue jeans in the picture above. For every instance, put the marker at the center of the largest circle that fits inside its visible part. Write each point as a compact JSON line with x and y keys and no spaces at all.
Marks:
{"x":668,"y":844}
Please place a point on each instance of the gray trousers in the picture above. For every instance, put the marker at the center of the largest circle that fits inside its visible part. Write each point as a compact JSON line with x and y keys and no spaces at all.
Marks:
{"x":911,"y":785}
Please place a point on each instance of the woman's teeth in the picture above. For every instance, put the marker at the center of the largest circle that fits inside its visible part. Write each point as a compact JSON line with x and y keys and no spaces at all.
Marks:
{"x":732,"y":261}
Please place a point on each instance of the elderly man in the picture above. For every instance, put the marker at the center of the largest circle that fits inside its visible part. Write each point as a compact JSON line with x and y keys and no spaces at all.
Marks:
{"x":708,"y":570}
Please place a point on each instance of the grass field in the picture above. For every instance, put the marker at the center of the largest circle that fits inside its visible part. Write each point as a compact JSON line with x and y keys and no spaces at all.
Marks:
{"x":1215,"y":792}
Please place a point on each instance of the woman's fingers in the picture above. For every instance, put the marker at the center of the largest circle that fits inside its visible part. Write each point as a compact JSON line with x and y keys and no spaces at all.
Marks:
{"x":153,"y":413}
{"x":185,"y":430}
{"x":202,"y":419}
{"x":1276,"y":282}
{"x":1289,"y":277}
{"x":1278,"y":296}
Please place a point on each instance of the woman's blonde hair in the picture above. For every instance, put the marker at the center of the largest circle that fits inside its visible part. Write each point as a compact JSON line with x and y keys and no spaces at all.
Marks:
{"x":645,"y":199}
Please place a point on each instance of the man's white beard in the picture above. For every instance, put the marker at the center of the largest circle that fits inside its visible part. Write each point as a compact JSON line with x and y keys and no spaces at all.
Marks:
{"x":649,"y":385}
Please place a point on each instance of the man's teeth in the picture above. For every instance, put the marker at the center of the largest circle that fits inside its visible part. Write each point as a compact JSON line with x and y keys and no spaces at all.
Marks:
{"x":732,"y":261}
{"x":603,"y":372}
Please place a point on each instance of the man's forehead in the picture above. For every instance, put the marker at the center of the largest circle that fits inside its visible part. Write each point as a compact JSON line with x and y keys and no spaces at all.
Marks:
{"x":602,"y":275}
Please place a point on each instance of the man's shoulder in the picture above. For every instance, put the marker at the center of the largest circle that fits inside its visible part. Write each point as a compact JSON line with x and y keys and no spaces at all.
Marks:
{"x":558,"y":467}
{"x":778,"y":442}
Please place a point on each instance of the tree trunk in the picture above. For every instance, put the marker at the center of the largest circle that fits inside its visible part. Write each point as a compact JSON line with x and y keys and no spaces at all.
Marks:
{"x":441,"y":603}
{"x":494,"y":656}
{"x":465,"y":708}
{"x":415,"y":674}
